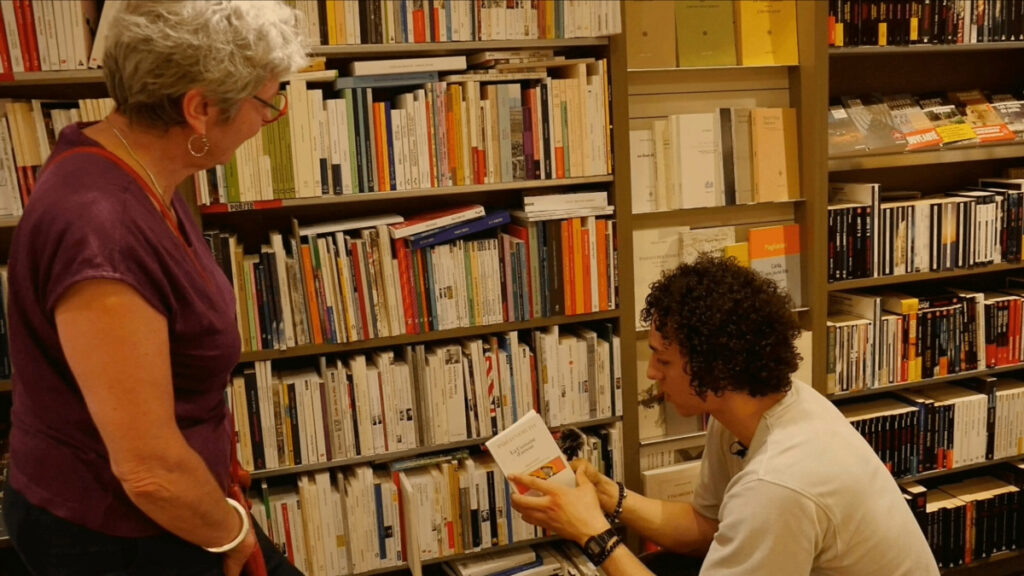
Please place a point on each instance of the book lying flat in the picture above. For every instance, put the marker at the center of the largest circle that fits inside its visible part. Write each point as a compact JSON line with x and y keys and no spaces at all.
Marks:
{"x":527,"y":448}
{"x":458,"y":230}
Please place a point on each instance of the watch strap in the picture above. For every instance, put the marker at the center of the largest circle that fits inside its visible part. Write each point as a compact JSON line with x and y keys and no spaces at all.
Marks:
{"x":598,"y":547}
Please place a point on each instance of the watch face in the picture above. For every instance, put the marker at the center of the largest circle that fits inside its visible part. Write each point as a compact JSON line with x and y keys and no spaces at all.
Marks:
{"x":594,"y":546}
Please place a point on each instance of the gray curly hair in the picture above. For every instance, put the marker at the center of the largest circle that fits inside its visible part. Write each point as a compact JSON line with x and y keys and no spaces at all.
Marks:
{"x":159,"y":50}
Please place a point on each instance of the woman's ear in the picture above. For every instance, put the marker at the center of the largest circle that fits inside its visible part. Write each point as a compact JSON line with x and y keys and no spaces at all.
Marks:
{"x":197,"y":110}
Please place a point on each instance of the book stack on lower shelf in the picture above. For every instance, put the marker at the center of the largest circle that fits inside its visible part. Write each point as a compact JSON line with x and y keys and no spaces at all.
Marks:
{"x":408,"y":512}
{"x":971,"y":519}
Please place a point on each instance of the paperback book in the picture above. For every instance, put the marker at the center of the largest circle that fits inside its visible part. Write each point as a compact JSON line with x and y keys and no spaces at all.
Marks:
{"x":527,"y":448}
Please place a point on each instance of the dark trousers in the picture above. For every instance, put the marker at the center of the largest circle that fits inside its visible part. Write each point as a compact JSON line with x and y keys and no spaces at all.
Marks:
{"x":52,"y":546}
{"x":668,"y":564}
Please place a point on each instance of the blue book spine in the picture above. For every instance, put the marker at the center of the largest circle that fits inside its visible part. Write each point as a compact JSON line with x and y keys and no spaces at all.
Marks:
{"x":382,"y":546}
{"x":493,"y":220}
{"x":385,"y":80}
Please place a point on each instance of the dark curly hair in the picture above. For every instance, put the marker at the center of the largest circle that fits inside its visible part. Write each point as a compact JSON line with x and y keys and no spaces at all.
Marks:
{"x":733,"y":326}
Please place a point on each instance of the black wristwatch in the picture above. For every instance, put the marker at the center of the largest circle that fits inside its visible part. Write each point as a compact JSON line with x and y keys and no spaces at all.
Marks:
{"x":599,"y":546}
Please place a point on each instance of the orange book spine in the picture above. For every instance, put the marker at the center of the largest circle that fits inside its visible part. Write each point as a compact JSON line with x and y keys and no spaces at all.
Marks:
{"x":565,"y":228}
{"x":602,"y":264}
{"x":311,"y":305}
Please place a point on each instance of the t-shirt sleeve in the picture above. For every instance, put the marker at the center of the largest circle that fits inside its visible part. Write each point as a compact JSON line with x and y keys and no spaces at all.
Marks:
{"x":95,"y":236}
{"x":765,"y":529}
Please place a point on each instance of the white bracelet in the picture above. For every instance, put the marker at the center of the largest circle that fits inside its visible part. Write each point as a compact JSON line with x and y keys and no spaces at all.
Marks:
{"x":241,"y":534}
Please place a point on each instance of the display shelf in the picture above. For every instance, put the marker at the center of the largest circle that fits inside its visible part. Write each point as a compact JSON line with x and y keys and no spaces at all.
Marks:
{"x":1009,"y":563}
{"x":439,"y":335}
{"x":377,"y":197}
{"x":388,"y":457}
{"x":926,"y":157}
{"x":861,"y":283}
{"x":841,"y":396}
{"x":925,"y":49}
{"x":363,"y":51}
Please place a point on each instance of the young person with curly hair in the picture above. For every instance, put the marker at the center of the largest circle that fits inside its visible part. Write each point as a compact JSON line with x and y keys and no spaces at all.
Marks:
{"x":787,"y":485}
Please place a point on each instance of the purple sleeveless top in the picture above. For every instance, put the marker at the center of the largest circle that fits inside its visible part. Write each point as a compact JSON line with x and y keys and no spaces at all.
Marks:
{"x":89,"y":219}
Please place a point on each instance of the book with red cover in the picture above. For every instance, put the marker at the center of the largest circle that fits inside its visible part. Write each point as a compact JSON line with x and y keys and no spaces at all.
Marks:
{"x":436,"y":219}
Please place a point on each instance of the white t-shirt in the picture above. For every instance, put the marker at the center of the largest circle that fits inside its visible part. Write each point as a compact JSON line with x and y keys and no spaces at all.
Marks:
{"x":810,"y":497}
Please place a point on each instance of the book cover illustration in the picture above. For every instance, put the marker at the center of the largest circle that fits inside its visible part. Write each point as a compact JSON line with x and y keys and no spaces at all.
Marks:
{"x":527,"y":448}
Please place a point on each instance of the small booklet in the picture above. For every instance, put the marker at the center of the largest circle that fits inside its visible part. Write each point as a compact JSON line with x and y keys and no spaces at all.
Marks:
{"x":527,"y":448}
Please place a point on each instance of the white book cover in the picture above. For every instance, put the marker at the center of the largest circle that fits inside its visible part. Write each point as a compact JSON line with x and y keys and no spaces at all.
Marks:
{"x":661,"y":252}
{"x":404,"y":65}
{"x":643,"y":174}
{"x":527,"y":448}
{"x":674,"y":483}
{"x":698,"y":154}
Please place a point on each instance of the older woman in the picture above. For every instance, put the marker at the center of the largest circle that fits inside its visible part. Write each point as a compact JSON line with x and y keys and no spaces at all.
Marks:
{"x":123,"y":331}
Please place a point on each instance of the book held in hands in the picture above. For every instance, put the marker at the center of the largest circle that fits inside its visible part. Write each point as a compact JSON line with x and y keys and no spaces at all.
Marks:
{"x":527,"y":448}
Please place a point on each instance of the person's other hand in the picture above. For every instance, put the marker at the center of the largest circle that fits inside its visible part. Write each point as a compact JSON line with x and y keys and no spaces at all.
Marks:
{"x":234,"y":559}
{"x":572,"y":513}
{"x":607,"y":489}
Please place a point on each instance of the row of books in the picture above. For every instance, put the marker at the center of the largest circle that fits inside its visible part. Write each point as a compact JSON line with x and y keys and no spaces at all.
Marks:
{"x":28,"y":131}
{"x":557,"y":559}
{"x":338,"y":22}
{"x":460,"y":130}
{"x":943,"y":426}
{"x":773,"y":250}
{"x":46,"y":35}
{"x":897,"y":123}
{"x":423,"y":395}
{"x":695,"y":33}
{"x":730,"y":156}
{"x":973,"y":518}
{"x":886,"y":337}
{"x":361,"y":518}
{"x":905,"y":233}
{"x":346,"y":281}
{"x":906,"y":22}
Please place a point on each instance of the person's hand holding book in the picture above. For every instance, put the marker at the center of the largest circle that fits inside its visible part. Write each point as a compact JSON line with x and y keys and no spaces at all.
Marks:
{"x":572,"y":513}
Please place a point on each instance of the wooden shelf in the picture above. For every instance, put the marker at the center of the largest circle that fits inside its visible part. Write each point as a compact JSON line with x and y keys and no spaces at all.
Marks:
{"x":456,"y":333}
{"x":696,"y":438}
{"x":411,"y":453}
{"x":371,"y":197}
{"x":842,"y":396}
{"x":736,"y":215}
{"x":860,"y":283}
{"x":436,"y":48}
{"x":924,"y":49}
{"x":926,"y":157}
{"x":69,"y":77}
{"x":5,"y":385}
{"x":403,"y":568}
{"x":1010,"y":563}
{"x":974,"y":466}
{"x":648,"y":81}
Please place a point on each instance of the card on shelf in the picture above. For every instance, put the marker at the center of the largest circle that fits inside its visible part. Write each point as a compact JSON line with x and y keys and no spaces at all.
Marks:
{"x":527,"y":448}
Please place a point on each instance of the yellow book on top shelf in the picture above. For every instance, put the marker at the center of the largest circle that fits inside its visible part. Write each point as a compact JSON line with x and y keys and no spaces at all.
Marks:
{"x":705,"y":35}
{"x":766,"y":32}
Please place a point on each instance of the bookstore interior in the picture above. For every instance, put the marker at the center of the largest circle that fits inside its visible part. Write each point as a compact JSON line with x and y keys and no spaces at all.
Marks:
{"x":450,"y":234}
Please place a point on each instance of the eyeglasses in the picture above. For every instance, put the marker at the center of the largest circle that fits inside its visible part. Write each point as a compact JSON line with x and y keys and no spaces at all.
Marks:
{"x":274,"y":109}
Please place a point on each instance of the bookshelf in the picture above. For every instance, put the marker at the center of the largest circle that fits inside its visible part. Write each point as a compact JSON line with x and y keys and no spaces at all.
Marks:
{"x":655,"y":93}
{"x":919,"y":69}
{"x":251,"y":221}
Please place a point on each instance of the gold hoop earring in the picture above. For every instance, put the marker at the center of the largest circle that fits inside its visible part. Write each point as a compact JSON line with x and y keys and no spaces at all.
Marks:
{"x":203,"y":141}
